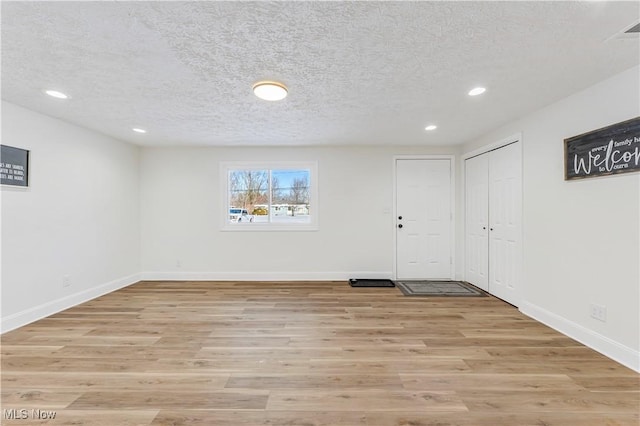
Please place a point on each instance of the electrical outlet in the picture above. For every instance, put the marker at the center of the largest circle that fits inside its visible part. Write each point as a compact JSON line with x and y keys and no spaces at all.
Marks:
{"x":66,"y":281}
{"x":598,"y":312}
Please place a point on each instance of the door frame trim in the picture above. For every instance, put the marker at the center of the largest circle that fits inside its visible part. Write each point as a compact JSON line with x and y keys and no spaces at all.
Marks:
{"x":452,"y":207}
{"x":516,"y":137}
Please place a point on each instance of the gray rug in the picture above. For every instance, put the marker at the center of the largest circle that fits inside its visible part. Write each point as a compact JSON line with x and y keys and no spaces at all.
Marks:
{"x":439,"y":288}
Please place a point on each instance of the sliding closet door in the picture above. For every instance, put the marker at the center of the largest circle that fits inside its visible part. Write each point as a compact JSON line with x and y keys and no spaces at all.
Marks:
{"x":505,"y":228}
{"x":477,"y":221}
{"x":493,"y":216}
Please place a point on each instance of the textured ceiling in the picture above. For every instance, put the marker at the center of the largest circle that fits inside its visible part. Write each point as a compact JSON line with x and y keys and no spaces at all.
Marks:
{"x":357,"y":72}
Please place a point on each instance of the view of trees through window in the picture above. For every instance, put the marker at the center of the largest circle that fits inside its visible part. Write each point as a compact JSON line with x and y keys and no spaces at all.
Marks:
{"x":269,"y":196}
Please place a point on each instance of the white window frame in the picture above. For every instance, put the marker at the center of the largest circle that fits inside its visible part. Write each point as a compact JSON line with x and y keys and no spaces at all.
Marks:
{"x":227,"y":166}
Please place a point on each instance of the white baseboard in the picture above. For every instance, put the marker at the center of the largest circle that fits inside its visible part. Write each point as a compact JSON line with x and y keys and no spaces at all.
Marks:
{"x":30,"y":315}
{"x":610,"y":348}
{"x":261,"y":276}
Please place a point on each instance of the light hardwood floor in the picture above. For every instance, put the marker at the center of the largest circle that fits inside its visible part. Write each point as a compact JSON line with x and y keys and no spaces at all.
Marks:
{"x":239,"y":354}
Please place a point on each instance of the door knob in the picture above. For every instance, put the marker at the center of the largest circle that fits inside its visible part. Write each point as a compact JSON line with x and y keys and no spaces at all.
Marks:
{"x":400,"y":226}
{"x":490,"y":229}
{"x":484,"y":227}
{"x":399,"y":217}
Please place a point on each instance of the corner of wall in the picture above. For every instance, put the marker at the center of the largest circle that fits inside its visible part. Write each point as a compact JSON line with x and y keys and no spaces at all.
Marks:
{"x":35,"y":313}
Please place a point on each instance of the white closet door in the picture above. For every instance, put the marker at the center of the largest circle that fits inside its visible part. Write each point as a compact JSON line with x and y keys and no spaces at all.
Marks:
{"x":477,"y":221}
{"x":505,"y":213}
{"x":423,"y":222}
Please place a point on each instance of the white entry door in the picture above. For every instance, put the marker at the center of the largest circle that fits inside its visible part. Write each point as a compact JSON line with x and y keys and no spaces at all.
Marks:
{"x":477,"y":221}
{"x":505,"y":216}
{"x":423,"y":219}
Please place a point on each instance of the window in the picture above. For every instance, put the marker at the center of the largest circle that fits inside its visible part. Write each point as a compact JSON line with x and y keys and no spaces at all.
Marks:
{"x":269,"y":196}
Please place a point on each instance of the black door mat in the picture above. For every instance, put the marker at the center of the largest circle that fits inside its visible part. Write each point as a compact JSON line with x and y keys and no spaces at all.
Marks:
{"x":439,"y":289}
{"x":353,"y":282}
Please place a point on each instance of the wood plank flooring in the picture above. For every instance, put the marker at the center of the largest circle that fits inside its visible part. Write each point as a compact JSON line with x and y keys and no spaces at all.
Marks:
{"x":322,"y":353}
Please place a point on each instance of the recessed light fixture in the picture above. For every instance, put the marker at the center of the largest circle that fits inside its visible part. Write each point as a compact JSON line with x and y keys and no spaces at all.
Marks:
{"x":139,"y":130}
{"x":56,"y":94}
{"x":431,"y":127}
{"x":270,"y":90}
{"x":477,"y":91}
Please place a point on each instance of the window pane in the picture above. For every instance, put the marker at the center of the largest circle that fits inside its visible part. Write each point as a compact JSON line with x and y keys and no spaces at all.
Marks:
{"x":259,"y":197}
{"x":290,"y":196}
{"x":247,"y":188}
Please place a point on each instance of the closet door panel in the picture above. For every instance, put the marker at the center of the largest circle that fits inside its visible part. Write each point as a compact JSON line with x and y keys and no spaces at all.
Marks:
{"x":477,"y":221}
{"x":505,"y":216}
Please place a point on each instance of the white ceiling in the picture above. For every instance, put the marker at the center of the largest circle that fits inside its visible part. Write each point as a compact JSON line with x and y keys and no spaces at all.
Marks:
{"x":358,"y":72}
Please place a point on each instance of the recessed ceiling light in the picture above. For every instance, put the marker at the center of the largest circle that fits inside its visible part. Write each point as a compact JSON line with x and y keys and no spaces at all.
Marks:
{"x":477,"y":91}
{"x":431,"y":127}
{"x":270,"y":90}
{"x":138,"y":130}
{"x":56,"y":94}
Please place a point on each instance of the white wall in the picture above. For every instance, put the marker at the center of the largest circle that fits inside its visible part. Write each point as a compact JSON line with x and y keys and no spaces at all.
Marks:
{"x":79,"y":217}
{"x":581,"y":237}
{"x":181,"y":216}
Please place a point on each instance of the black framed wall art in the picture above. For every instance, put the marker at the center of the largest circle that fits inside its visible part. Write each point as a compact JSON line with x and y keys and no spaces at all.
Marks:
{"x":610,"y":150}
{"x":14,"y":166}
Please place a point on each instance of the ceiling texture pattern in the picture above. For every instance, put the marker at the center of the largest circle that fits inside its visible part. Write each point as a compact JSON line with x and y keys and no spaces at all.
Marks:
{"x":358,"y":73}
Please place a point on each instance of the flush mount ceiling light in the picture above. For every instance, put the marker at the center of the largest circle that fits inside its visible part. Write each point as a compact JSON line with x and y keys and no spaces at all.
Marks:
{"x":139,"y":130}
{"x":431,"y":127}
{"x":270,"y":90}
{"x":477,"y":91}
{"x":56,"y":94}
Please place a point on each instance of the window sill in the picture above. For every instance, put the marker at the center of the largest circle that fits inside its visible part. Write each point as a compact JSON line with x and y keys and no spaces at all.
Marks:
{"x":257,"y":227}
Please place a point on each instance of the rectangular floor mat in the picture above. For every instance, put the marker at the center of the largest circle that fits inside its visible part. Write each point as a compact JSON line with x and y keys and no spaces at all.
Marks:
{"x":439,"y":288}
{"x":353,"y":282}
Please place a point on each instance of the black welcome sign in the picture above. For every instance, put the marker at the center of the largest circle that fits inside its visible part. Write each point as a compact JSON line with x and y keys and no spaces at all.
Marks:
{"x":610,"y":150}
